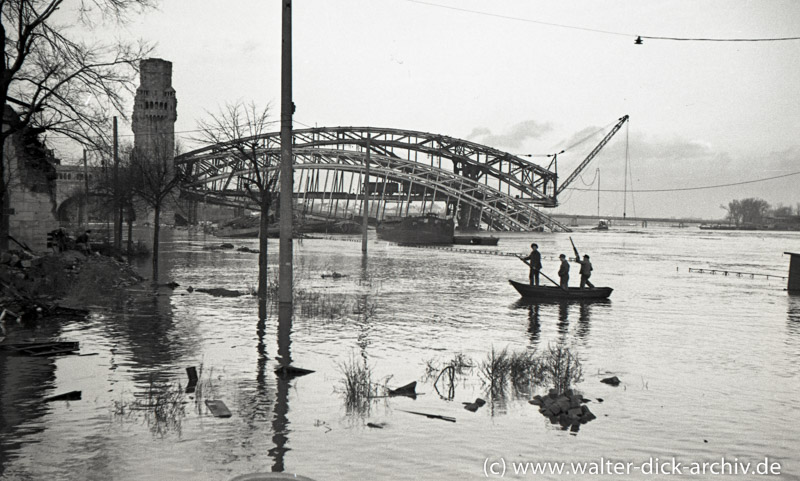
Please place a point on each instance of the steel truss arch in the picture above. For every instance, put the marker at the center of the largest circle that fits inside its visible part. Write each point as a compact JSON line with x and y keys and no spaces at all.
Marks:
{"x":503,"y":188}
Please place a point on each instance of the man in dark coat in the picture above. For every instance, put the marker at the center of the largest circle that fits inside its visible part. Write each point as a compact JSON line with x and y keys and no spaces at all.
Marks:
{"x":586,"y":271}
{"x":535,"y":262}
{"x":563,"y":272}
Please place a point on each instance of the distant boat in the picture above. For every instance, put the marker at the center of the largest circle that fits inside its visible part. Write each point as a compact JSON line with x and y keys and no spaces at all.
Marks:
{"x":729,"y":227}
{"x":328,"y":226}
{"x":475,"y":240}
{"x":601,"y":225}
{"x":422,"y":229}
{"x":552,"y":292}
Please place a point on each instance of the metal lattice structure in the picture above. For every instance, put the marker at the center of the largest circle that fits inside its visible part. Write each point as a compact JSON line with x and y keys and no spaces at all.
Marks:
{"x":409,"y":172}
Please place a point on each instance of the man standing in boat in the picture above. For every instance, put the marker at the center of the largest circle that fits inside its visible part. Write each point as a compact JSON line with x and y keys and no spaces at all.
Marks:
{"x":586,"y":271}
{"x":563,"y":272}
{"x":534,"y":260}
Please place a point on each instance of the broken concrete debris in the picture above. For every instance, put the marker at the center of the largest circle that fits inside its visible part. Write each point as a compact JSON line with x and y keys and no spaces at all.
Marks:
{"x":566,"y":409}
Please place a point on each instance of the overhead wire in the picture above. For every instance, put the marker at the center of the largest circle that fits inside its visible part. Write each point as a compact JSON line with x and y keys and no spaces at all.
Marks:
{"x":704,"y":187}
{"x":605,"y":32}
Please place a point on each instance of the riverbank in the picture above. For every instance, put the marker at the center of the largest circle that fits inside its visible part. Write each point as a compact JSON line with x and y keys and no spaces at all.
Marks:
{"x":34,"y":286}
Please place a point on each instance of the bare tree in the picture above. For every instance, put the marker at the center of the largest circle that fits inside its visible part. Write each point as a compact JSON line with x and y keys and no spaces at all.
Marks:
{"x":58,"y":81}
{"x":754,"y":210}
{"x":152,"y":178}
{"x":236,"y":131}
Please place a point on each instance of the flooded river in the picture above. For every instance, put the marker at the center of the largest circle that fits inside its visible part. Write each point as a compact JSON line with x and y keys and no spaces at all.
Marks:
{"x":708,"y":363}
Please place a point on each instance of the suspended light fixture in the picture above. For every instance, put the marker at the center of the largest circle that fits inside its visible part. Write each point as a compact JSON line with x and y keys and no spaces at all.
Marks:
{"x":638,"y":41}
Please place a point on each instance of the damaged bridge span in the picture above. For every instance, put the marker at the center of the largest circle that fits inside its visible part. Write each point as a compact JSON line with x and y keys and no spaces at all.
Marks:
{"x":409,"y":172}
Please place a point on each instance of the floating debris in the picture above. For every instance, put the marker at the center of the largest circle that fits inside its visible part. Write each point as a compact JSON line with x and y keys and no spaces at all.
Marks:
{"x":431,"y":416}
{"x":67,"y":396}
{"x":613,"y":381}
{"x":291,"y":371}
{"x":49,"y":348}
{"x":409,"y":389}
{"x":192,"y":373}
{"x":218,"y":408}
{"x":473,"y":406}
{"x":217,"y":291}
{"x":334,"y":275}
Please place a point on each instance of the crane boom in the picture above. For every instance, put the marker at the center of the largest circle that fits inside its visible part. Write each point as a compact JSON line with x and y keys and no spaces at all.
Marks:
{"x":591,"y":155}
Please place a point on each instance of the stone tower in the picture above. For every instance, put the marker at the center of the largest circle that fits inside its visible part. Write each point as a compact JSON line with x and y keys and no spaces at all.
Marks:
{"x":155,"y":109}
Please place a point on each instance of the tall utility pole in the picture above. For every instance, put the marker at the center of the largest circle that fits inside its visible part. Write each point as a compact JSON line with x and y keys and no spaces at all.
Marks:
{"x":285,"y":271}
{"x":117,"y":219}
{"x":365,"y":218}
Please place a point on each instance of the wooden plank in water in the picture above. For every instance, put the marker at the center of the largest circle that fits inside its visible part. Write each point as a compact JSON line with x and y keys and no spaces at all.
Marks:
{"x":67,"y":396}
{"x":218,"y":408}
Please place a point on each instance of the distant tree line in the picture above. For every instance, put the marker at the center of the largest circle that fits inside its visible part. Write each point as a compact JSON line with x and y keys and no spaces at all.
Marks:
{"x":754,"y":211}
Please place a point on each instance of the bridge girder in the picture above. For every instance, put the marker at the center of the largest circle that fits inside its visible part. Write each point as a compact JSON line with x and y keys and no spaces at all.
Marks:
{"x":504,"y":188}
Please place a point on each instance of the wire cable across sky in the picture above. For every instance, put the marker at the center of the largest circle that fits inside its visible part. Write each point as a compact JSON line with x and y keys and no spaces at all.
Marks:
{"x":606,"y":32}
{"x":704,"y":187}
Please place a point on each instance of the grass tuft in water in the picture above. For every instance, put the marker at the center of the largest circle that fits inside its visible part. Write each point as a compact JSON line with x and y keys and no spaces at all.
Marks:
{"x":358,"y":385}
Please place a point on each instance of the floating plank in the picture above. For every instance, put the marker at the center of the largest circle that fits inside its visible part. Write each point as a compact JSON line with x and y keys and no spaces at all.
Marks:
{"x":409,"y":389}
{"x":218,"y":408}
{"x":44,"y":348}
{"x":291,"y":371}
{"x":67,"y":396}
{"x":431,"y":416}
{"x":192,"y":373}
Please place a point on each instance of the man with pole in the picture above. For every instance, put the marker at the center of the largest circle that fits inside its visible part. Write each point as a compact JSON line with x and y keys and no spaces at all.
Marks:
{"x":586,"y":267}
{"x":535,"y":258}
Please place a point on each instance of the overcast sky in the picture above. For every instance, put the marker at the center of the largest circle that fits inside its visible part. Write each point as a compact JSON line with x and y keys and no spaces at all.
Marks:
{"x":527,"y":77}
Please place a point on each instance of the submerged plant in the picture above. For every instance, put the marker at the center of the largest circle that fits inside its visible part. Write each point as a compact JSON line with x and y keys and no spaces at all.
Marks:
{"x":359,"y":387}
{"x":557,"y":367}
{"x":560,"y":368}
{"x":494,"y":371}
{"x":162,"y":405}
{"x":525,"y":370}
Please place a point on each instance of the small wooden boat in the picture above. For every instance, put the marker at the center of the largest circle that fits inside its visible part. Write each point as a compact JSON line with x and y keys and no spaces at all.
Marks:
{"x":552,"y":292}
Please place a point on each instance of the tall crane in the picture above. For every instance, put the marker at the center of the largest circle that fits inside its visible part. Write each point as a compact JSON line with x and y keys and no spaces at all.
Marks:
{"x":591,"y":155}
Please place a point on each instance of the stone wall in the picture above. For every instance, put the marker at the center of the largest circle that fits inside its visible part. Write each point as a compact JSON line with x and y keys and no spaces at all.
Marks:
{"x":33,"y":206}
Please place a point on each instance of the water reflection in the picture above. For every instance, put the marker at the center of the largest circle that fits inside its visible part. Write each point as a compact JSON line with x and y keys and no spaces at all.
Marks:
{"x":280,"y":420}
{"x":534,"y":323}
{"x":564,"y":311}
{"x":793,"y":314}
{"x":146,"y":330}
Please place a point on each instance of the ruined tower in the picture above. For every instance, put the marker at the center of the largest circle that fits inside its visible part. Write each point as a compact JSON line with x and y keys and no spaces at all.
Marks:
{"x":155,"y":109}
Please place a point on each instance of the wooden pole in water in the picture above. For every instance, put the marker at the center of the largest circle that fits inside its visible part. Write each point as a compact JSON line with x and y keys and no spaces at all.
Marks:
{"x":794,"y":273}
{"x":285,"y":270}
{"x":365,"y":217}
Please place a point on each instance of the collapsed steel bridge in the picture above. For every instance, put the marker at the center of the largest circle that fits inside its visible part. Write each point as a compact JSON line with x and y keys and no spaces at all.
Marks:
{"x":409,"y":173}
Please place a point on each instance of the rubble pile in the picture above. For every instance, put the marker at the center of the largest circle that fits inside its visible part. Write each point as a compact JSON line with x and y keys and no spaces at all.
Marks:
{"x":32,"y":283}
{"x":567,"y":409}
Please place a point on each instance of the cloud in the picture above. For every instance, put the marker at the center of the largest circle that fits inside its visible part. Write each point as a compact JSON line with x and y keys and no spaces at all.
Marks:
{"x":516,"y":135}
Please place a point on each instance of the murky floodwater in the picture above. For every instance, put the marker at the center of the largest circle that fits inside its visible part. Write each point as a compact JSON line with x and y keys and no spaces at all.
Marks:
{"x":709,"y":363}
